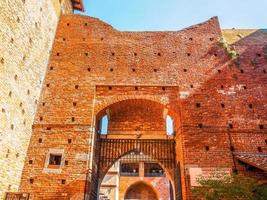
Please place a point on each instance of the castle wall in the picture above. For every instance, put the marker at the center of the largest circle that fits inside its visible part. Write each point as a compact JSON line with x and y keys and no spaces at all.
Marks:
{"x":26,"y":36}
{"x":209,"y":93}
{"x":89,"y":53}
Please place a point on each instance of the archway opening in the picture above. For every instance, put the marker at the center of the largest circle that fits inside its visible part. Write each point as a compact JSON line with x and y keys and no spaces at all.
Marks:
{"x":169,"y":125}
{"x":130,"y":169}
{"x":103,"y":125}
{"x":137,"y":118}
{"x":132,"y":128}
{"x":141,"y":191}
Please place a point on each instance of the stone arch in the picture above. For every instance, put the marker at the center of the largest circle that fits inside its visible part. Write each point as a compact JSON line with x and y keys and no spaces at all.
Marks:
{"x":133,"y":189}
{"x":102,"y":105}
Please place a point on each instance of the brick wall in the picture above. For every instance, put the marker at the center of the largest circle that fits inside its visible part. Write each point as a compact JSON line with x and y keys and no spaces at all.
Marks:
{"x":94,"y":66}
{"x":26,"y":36}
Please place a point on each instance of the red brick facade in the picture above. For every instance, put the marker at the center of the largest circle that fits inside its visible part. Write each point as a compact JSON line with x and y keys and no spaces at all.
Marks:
{"x":218,"y":106}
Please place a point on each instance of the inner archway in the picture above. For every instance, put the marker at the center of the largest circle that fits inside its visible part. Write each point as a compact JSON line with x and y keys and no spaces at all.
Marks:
{"x":137,"y":118}
{"x":136,"y":126}
{"x":132,"y":168}
{"x":140,"y":191}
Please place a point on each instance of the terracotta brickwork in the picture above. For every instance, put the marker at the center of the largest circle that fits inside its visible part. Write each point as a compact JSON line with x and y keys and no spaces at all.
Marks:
{"x":158,"y":186}
{"x":27,"y":30}
{"x":218,"y":105}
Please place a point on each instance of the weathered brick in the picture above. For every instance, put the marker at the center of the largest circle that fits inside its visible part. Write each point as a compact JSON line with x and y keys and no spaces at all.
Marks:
{"x":136,"y":76}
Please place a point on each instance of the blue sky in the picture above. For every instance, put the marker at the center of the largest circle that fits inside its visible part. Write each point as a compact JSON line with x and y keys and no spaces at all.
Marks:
{"x":161,"y":15}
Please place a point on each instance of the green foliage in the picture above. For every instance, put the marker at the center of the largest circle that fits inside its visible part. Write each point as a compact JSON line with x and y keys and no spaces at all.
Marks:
{"x":225,"y":187}
{"x":230,"y":50}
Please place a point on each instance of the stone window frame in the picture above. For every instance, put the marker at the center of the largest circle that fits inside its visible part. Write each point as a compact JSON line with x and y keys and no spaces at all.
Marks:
{"x":48,"y":169}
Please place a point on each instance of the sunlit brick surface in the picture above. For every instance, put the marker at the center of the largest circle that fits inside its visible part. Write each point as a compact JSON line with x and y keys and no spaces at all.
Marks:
{"x":95,"y":69}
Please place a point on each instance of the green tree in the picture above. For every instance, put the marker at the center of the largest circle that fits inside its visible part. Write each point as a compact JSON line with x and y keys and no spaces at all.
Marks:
{"x":226,"y":187}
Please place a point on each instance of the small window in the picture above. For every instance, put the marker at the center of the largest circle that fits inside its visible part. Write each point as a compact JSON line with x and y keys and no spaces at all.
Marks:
{"x":153,"y":170}
{"x":169,"y":125}
{"x":103,"y":125}
{"x":129,"y":169}
{"x":55,"y":159}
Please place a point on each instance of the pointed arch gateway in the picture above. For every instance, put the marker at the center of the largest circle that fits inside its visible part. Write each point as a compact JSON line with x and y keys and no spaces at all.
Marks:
{"x":113,"y":145}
